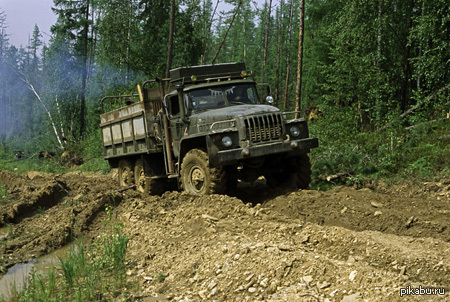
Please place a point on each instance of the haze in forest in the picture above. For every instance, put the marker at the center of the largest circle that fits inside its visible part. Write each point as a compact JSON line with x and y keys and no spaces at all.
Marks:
{"x":375,"y":76}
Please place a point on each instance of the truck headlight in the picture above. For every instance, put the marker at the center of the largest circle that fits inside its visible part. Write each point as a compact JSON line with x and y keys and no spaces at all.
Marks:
{"x":295,"y":131}
{"x":226,"y":141}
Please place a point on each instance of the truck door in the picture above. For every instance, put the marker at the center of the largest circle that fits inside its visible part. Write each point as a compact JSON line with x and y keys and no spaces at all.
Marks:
{"x":176,"y":124}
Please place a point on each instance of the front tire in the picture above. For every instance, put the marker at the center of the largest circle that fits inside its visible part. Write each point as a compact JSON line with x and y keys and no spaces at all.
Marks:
{"x":198,"y":178}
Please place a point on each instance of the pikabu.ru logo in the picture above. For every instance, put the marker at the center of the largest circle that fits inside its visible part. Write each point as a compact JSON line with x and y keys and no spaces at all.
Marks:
{"x":421,"y":291}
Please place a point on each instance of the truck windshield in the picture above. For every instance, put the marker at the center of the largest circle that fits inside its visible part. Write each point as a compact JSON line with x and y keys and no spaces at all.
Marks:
{"x":222,"y":96}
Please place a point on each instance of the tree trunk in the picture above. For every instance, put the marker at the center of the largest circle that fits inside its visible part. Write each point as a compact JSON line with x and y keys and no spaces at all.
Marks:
{"x":288,"y":55}
{"x":298,"y":90}
{"x":266,"y":40}
{"x":2,"y":84}
{"x":244,"y":40}
{"x":279,"y":34}
{"x":127,"y":55}
{"x":44,"y":106}
{"x":84,"y":72}
{"x":406,"y":71}
{"x":93,"y":44}
{"x":171,"y":33}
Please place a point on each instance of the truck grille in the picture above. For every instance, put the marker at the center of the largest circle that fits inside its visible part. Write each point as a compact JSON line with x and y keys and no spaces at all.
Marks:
{"x":262,"y":128}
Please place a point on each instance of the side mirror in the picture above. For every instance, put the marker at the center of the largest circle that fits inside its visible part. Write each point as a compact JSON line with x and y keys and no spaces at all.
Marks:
{"x":269,"y":99}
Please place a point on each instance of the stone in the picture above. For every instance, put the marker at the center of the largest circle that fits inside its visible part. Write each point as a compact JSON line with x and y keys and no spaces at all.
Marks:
{"x":351,"y":260}
{"x":308,"y":279}
{"x":208,"y":217}
{"x":212,"y":284}
{"x":409,"y":222}
{"x":352,"y":298}
{"x":213,"y":292}
{"x":264,"y":282}
{"x":305,"y":238}
{"x":376,"y":204}
{"x":352,"y":275}
{"x":251,"y":290}
{"x":249,"y":277}
{"x":260,"y":245}
{"x":323,"y":285}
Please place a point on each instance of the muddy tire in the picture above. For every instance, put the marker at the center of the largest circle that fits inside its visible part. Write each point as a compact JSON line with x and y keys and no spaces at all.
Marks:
{"x":301,"y":176}
{"x":198,"y":178}
{"x":125,"y":173}
{"x":141,"y":171}
{"x":295,"y":173}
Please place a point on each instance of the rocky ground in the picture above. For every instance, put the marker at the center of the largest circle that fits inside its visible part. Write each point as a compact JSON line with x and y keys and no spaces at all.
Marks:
{"x":258,"y":244}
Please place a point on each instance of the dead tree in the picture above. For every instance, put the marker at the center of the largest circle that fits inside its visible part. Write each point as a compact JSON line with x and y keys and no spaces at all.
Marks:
{"x":226,"y":33}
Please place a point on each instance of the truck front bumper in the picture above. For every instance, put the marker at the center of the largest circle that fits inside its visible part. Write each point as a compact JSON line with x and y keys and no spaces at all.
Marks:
{"x":291,"y":147}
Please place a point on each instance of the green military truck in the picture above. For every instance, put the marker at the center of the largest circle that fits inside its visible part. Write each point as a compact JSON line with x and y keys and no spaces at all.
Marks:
{"x":205,"y":127}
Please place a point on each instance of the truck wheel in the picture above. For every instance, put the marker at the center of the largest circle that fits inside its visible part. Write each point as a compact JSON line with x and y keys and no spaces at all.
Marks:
{"x":302,"y":173}
{"x":125,"y":173}
{"x":141,"y":171}
{"x":198,"y":178}
{"x":296,"y":172}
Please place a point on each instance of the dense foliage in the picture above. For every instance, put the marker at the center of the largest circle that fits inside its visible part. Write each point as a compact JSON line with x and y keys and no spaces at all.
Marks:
{"x":373,"y":68}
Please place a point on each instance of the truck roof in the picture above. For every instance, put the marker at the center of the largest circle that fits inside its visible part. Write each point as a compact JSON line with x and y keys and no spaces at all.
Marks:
{"x":204,"y":73}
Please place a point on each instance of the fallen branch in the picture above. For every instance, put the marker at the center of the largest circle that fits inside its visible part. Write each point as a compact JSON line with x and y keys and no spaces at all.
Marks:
{"x":125,"y":189}
{"x":338,"y":175}
{"x":425,"y":123}
{"x":415,"y":107}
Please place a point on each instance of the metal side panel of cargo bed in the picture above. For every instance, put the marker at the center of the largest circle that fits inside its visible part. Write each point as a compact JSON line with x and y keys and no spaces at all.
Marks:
{"x":124,"y":131}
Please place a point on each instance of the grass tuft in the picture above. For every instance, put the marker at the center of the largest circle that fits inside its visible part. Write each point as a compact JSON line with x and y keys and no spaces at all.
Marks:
{"x":85,"y":274}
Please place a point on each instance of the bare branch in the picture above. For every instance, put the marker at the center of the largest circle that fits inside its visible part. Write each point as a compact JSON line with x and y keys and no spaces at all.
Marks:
{"x":226,"y":33}
{"x":205,"y":38}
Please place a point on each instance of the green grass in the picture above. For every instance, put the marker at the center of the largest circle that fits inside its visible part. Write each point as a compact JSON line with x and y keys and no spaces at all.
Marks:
{"x":31,"y":164}
{"x":95,"y":165}
{"x":421,"y":153}
{"x":87,"y":273}
{"x":4,"y":196}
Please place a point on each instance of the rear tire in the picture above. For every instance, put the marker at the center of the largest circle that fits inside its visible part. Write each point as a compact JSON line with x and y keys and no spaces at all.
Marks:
{"x":302,"y":174}
{"x":125,"y":173}
{"x":141,"y":173}
{"x":198,"y":178}
{"x":295,"y":172}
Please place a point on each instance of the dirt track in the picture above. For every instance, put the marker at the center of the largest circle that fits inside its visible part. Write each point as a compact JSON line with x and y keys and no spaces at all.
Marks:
{"x":261,"y":244}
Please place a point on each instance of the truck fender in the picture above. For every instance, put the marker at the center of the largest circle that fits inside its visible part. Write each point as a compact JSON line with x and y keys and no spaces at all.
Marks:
{"x":190,"y":143}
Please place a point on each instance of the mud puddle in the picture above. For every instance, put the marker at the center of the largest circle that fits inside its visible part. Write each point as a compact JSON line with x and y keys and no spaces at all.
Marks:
{"x":17,"y":275}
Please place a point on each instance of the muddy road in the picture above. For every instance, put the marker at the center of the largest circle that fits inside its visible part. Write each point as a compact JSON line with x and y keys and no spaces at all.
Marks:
{"x":259,"y":244}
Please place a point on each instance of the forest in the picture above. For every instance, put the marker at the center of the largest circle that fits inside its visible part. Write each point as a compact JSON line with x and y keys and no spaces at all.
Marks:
{"x":374,"y":76}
